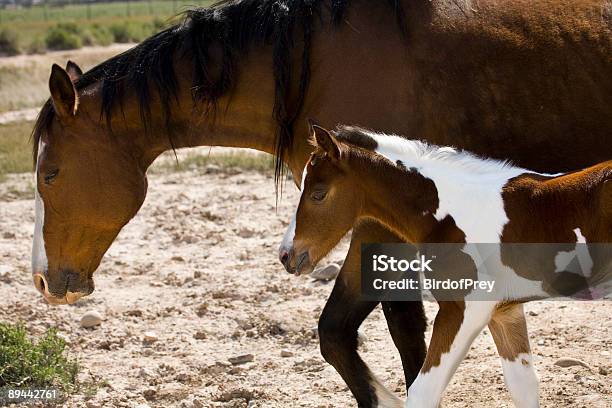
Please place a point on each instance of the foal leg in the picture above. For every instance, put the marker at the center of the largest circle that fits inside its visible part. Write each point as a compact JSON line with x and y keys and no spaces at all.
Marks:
{"x":456,"y":326}
{"x":344,"y":313}
{"x":406,"y":322}
{"x":509,"y":330}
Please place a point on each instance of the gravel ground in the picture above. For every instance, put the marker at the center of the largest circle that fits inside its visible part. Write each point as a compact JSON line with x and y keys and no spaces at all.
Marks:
{"x":197,"y":268}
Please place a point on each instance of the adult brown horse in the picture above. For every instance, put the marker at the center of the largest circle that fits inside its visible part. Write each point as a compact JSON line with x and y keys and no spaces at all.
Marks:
{"x":513,"y":80}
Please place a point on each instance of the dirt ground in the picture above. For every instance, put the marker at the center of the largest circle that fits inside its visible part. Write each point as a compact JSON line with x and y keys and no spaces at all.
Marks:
{"x":198,"y":267}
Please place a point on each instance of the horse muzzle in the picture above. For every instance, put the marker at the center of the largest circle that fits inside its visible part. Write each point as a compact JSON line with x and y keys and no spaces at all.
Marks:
{"x":66,"y":290}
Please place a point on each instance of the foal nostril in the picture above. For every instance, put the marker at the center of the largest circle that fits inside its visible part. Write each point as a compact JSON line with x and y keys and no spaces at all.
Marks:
{"x":40,"y":283}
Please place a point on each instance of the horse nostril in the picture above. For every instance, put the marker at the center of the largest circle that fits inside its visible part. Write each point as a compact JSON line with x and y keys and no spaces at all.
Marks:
{"x":284,"y":257}
{"x":40,"y":283}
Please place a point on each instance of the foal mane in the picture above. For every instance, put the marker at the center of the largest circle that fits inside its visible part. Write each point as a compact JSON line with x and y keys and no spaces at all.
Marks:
{"x":414,"y":150}
{"x":235,"y":25}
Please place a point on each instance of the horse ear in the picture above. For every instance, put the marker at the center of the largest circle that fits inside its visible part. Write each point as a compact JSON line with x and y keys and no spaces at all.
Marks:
{"x":63,"y":92}
{"x":74,"y":71}
{"x":325,"y":140}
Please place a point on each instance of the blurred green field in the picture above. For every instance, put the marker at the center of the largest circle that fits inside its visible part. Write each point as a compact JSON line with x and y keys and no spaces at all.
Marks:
{"x":33,"y":23}
{"x":24,"y":79}
{"x":15,"y":148}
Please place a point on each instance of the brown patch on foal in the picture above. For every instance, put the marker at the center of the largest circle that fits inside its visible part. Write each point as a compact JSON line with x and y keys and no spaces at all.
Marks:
{"x":445,"y":329}
{"x":509,"y":330}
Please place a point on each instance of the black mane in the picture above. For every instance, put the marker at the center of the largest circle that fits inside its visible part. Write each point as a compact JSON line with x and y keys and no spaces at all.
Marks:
{"x":235,"y":25}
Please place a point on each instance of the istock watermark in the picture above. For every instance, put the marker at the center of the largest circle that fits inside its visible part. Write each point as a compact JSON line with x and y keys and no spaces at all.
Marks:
{"x":403,"y":272}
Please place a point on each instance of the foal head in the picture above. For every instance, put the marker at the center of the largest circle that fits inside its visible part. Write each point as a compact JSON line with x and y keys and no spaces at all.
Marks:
{"x":330,"y":202}
{"x":88,"y":186}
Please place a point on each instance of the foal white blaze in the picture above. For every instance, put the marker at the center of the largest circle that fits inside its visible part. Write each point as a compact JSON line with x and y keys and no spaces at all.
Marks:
{"x":39,"y":254}
{"x":287,"y":242}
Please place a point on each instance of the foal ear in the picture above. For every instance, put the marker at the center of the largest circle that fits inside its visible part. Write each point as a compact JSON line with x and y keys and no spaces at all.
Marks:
{"x":63,"y":92}
{"x":326,"y":141}
{"x":74,"y":71}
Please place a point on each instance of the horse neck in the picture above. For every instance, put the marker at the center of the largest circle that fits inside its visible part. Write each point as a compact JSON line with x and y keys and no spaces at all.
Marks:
{"x":242,"y":118}
{"x":398,"y":199}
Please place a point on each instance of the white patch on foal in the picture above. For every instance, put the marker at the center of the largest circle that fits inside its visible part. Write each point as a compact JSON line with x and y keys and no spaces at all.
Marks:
{"x":522,"y":381}
{"x":427,"y":390}
{"x":563,"y":260}
{"x":39,"y":254}
{"x":464,"y":183}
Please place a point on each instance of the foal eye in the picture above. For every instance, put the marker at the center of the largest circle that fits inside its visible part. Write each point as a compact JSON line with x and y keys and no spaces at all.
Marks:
{"x":318,"y":195}
{"x":50,"y":176}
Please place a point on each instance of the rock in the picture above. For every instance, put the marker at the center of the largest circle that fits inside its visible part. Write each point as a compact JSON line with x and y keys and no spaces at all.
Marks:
{"x":149,"y":337}
{"x":570,"y":362}
{"x":202,"y":309}
{"x":5,"y":273}
{"x":146,"y":373}
{"x":314,"y":332}
{"x":134,"y":313}
{"x":191,"y":402}
{"x":286,"y":353}
{"x":241,"y":359}
{"x":212,"y":169}
{"x":236,"y":370}
{"x":326,"y":273}
{"x":361,"y":338}
{"x":603,"y":370}
{"x":532,"y":313}
{"x":246,"y":232}
{"x":91,"y":319}
{"x":150,"y":394}
{"x":8,"y":235}
{"x":200,"y":335}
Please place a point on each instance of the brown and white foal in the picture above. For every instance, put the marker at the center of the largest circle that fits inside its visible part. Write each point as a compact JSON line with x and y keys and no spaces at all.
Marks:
{"x":437,"y":194}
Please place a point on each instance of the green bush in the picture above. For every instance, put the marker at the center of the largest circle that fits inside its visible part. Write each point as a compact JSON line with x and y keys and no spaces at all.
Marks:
{"x":66,"y":36}
{"x":120,"y":33}
{"x":158,"y":25}
{"x":97,"y":35}
{"x":37,"y":46}
{"x":24,"y":363}
{"x":9,"y":44}
{"x":130,"y":31}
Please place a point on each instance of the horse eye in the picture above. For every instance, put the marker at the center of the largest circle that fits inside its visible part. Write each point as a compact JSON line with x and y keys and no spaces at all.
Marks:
{"x":50,"y":176}
{"x":318,"y":195}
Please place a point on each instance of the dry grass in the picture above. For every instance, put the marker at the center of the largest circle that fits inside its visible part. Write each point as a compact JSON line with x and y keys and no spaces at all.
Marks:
{"x":24,"y":80}
{"x":15,"y":148}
